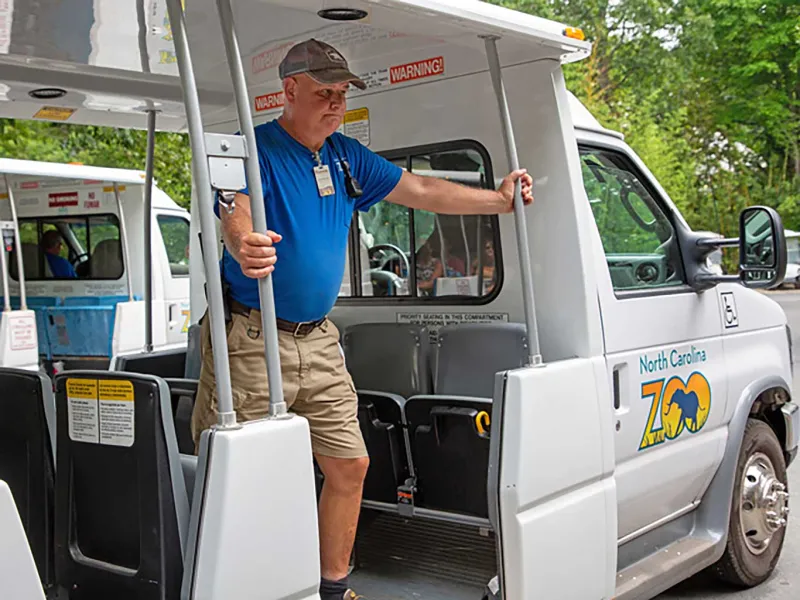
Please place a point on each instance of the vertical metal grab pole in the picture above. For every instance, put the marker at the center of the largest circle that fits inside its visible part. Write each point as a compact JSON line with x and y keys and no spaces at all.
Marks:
{"x":534,"y":354}
{"x":466,"y":245}
{"x":23,"y":294}
{"x":148,"y":231}
{"x":124,"y":235}
{"x":277,"y":405}
{"x":202,"y":182}
{"x":4,"y":268}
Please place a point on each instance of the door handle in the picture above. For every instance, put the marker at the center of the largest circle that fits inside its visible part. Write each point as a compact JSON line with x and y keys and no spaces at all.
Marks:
{"x":615,"y":386}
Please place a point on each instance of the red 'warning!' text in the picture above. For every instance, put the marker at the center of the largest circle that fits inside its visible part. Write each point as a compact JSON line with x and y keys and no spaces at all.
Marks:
{"x":269,"y":101}
{"x":417,"y":70}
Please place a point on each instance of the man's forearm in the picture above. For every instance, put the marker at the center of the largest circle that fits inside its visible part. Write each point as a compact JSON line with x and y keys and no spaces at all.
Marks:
{"x":448,"y":198}
{"x":236,"y":225}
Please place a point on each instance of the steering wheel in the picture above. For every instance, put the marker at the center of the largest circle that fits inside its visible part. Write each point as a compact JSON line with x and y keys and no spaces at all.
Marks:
{"x":392,"y":247}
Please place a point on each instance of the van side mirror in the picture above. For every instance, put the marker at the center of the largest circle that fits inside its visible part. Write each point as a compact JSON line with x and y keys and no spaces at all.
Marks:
{"x":762,"y":248}
{"x":762,"y":252}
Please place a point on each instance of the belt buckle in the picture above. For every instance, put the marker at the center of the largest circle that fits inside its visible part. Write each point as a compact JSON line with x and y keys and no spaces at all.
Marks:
{"x":297,"y":327}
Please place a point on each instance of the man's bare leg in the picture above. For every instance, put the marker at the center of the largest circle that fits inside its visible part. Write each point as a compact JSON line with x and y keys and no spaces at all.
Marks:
{"x":339,"y":507}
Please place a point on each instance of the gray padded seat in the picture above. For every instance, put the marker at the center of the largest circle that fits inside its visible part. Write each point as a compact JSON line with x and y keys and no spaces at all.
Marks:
{"x":388,"y":362}
{"x":468,"y":356}
{"x":122,"y":507}
{"x":448,"y":433}
{"x":389,"y":357}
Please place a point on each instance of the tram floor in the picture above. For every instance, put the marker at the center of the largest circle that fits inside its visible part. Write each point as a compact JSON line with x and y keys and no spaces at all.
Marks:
{"x":410,"y":559}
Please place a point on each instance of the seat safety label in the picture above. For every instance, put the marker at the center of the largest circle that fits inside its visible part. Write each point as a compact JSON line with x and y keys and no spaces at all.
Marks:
{"x":101,"y":412}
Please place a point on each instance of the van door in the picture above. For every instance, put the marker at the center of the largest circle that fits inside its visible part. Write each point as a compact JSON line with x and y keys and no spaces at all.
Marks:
{"x":174,"y":230}
{"x":663,"y":343}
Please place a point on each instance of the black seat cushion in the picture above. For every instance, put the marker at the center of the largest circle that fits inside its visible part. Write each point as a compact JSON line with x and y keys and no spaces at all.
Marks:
{"x":381,"y":420}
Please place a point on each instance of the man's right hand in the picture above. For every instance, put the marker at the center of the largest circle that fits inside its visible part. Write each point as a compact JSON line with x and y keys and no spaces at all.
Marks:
{"x":257,"y":254}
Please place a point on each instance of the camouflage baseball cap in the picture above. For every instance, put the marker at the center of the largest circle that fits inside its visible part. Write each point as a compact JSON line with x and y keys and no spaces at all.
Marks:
{"x":321,"y":61}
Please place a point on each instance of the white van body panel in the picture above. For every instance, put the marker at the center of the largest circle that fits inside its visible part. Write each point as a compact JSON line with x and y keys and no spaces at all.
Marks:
{"x":17,"y":569}
{"x":558,"y":507}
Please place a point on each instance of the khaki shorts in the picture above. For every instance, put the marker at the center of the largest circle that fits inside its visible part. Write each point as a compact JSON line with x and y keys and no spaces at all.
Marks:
{"x":316,"y":384}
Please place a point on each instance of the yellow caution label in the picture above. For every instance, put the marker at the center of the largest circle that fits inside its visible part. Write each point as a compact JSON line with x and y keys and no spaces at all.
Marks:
{"x":82,"y":388}
{"x":115,"y":389}
{"x":110,"y":188}
{"x":54,"y":113}
{"x":482,"y":422}
{"x":357,"y":114}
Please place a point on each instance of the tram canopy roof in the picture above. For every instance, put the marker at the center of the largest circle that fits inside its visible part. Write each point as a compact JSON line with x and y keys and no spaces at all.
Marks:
{"x":111,"y":57}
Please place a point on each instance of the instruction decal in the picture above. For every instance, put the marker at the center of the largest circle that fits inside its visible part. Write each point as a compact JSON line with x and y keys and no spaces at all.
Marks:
{"x":54,"y":113}
{"x":101,"y":411}
{"x":62,"y":199}
{"x":434,"y":321}
{"x":23,"y":332}
{"x":116,"y":412}
{"x":356,"y":125}
{"x":82,"y":410}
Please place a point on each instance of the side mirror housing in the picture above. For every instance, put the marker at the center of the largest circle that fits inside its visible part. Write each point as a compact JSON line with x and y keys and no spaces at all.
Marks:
{"x":762,"y":252}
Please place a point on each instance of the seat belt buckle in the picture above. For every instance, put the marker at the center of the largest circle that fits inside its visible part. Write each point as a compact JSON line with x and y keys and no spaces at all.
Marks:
{"x":405,"y":498}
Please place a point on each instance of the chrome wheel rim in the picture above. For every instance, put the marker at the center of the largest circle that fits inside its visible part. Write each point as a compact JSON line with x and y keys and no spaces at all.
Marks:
{"x":764,"y":503}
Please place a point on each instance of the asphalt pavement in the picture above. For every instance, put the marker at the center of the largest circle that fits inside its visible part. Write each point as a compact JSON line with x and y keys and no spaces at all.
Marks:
{"x":785,"y":581}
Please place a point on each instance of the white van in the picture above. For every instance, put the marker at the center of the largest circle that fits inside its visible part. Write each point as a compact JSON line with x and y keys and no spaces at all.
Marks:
{"x":87,"y":295}
{"x":599,"y":415}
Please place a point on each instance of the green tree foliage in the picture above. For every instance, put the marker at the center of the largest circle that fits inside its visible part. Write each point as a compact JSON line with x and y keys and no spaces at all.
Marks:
{"x":707,"y":92}
{"x":102,"y":147}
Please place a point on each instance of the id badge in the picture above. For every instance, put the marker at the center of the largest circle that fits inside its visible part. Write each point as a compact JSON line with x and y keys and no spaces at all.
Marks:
{"x":324,"y":181}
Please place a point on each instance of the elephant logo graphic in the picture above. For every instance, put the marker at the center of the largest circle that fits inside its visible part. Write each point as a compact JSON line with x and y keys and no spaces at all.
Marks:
{"x":684,"y":405}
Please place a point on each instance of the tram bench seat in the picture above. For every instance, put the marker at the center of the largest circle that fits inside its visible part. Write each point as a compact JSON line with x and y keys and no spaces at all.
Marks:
{"x":27,"y":464}
{"x":122,"y":507}
{"x":447,"y":431}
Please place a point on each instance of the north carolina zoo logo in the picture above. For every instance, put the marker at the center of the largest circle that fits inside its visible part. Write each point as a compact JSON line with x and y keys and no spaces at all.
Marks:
{"x":682,"y":406}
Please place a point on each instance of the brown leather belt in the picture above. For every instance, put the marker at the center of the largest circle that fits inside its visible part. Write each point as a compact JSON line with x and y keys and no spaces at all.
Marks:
{"x":291,"y":327}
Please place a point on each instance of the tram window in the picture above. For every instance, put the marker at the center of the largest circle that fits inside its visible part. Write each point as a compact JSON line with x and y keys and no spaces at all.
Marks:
{"x":175,"y":232}
{"x":416,"y":253}
{"x":70,"y":247}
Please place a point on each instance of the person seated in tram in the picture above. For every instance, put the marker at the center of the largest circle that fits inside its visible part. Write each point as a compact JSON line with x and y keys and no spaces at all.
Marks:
{"x":60,"y":267}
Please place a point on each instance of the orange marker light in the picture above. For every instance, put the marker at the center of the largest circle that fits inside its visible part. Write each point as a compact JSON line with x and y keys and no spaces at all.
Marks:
{"x":575,"y":33}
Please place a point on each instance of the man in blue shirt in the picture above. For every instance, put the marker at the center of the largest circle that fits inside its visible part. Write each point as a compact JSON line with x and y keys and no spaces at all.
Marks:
{"x":304,"y":162}
{"x":60,"y":267}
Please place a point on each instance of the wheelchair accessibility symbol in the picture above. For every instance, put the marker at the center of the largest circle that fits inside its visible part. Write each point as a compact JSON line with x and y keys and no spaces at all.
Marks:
{"x":729,"y":312}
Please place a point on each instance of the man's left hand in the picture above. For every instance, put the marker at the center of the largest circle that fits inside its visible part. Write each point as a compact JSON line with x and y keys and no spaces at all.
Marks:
{"x":506,"y":188}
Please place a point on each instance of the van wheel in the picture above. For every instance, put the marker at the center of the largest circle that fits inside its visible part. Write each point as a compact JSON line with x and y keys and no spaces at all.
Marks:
{"x":760,"y":508}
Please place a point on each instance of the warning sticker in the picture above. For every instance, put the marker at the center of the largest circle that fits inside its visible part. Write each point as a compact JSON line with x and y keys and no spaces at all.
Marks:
{"x":433,"y":321}
{"x":116,"y":413}
{"x":269,"y":101}
{"x":356,"y":125}
{"x":54,"y":113}
{"x":417,"y":70}
{"x":82,"y":410}
{"x":62,"y":199}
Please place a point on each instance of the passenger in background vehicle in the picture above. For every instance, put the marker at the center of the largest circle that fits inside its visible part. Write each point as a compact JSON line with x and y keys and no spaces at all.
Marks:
{"x":487,"y":266}
{"x":60,"y":267}
{"x":305,"y":166}
{"x":429,"y":269}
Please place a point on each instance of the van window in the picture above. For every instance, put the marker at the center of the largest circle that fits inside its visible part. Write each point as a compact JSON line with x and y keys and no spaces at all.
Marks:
{"x":70,"y":247}
{"x":175,"y":232}
{"x":419,"y":254}
{"x":639,"y":241}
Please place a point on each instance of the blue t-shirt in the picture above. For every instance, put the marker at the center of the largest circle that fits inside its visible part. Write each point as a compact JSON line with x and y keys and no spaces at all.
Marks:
{"x":311,"y":255}
{"x":60,"y":266}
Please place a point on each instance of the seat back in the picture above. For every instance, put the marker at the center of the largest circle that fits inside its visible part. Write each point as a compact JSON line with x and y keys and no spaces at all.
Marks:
{"x":183,"y":393}
{"x":380,"y":417}
{"x":468,"y":356}
{"x":17,"y":565}
{"x":27,"y":425}
{"x":450,"y":447}
{"x":194,"y":360}
{"x":388,"y":357}
{"x":106,"y":261}
{"x":121,"y":504}
{"x":162,"y":363}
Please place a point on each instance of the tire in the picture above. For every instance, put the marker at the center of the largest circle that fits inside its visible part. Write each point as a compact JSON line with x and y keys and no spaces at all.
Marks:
{"x":750,"y":560}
